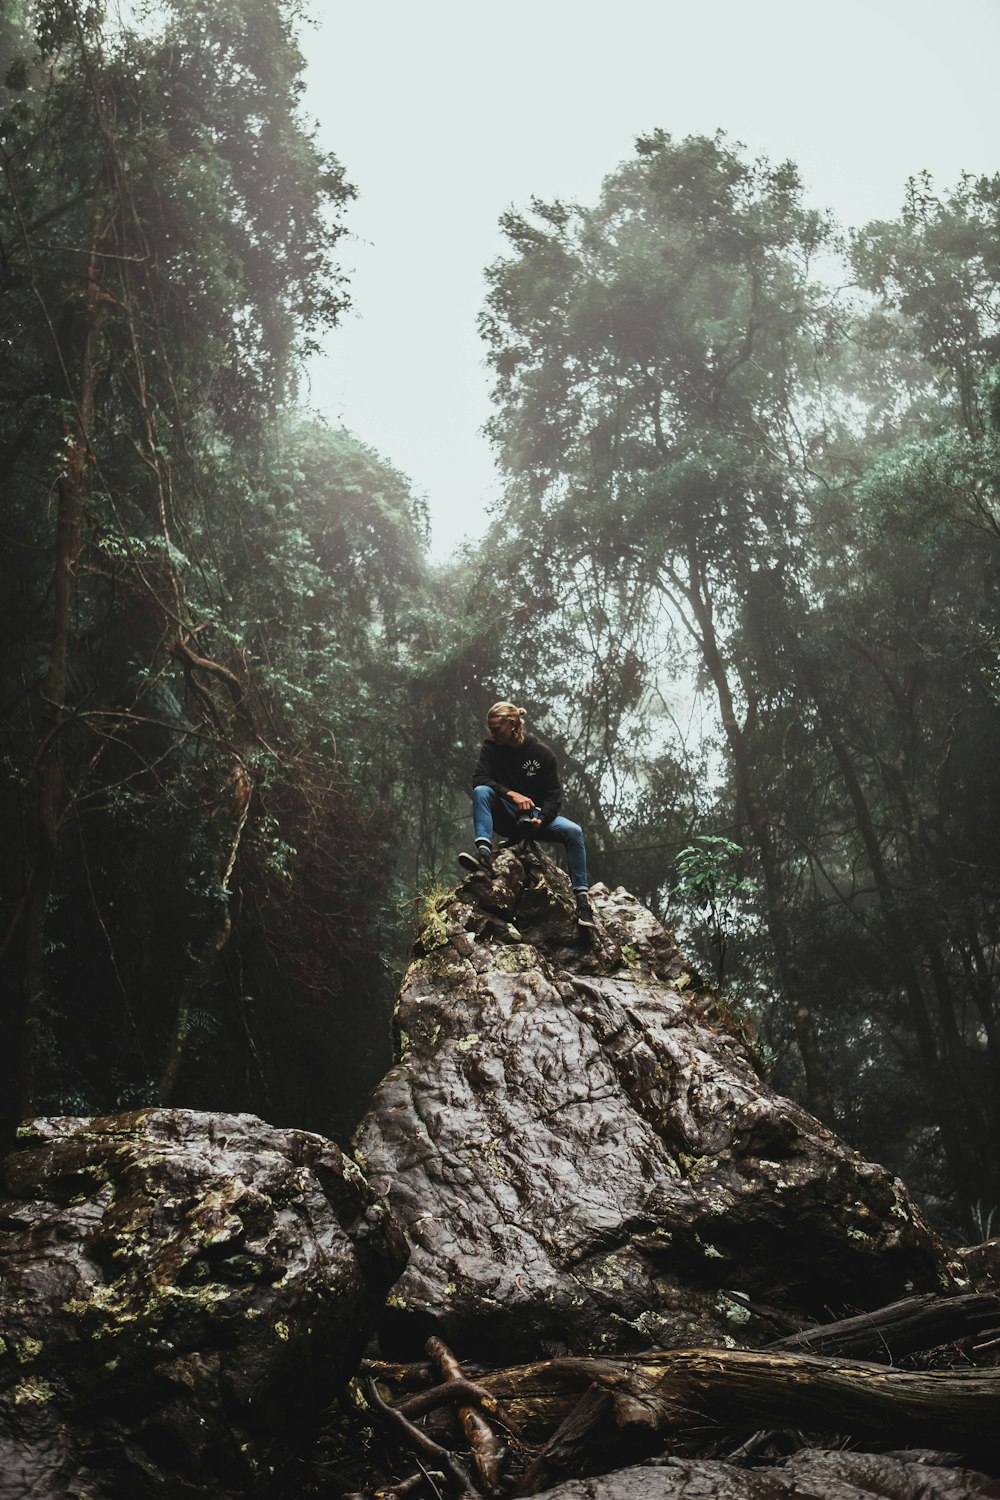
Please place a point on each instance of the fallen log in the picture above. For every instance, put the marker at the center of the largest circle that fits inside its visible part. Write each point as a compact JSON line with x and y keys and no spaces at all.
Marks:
{"x":904,"y":1327}
{"x":569,"y":1452}
{"x":740,"y":1391}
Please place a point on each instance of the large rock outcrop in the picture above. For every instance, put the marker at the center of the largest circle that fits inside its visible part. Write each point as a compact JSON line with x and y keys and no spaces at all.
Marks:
{"x":181,"y":1295}
{"x":583,"y":1156}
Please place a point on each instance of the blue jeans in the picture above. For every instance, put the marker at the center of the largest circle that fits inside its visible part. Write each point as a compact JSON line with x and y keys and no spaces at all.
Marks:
{"x":490,"y":810}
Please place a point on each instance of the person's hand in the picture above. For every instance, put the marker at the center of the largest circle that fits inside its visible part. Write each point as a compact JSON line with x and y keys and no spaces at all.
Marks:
{"x":520,"y":801}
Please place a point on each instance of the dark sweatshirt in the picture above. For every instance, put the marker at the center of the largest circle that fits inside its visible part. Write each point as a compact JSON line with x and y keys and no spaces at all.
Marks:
{"x":529,"y":768}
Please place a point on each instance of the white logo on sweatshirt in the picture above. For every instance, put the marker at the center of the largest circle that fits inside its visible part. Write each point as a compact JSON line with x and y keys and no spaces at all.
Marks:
{"x":531,"y":767}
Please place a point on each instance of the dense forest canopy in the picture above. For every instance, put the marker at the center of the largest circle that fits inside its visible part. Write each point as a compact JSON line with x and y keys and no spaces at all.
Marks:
{"x":751,"y":471}
{"x":796,"y":487}
{"x":203,"y":591}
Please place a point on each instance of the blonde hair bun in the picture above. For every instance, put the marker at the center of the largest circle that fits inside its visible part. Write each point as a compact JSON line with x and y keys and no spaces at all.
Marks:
{"x":509,"y":711}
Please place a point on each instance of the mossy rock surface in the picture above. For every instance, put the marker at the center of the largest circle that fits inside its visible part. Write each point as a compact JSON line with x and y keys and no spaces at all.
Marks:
{"x":181,"y":1295}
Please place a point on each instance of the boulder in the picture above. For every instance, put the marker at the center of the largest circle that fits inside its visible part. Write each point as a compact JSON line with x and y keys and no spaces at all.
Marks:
{"x":812,"y":1474}
{"x":981,"y":1263}
{"x":182,"y":1294}
{"x":584,"y":1157}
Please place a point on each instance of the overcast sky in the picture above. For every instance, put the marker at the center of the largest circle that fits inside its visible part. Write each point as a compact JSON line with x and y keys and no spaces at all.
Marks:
{"x":446,"y":113}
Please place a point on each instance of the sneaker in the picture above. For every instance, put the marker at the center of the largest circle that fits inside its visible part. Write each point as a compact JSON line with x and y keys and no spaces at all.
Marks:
{"x":481,"y":860}
{"x":584,"y":911}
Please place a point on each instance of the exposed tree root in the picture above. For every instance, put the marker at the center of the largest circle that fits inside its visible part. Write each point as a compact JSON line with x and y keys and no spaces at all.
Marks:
{"x":403,"y":1431}
{"x":487,"y":1450}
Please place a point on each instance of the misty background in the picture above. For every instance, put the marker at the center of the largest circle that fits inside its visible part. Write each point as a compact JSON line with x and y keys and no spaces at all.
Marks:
{"x":444,"y":114}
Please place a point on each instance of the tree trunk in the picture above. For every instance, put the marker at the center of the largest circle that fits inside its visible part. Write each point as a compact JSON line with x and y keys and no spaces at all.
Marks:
{"x":943,"y":1096}
{"x":792,"y":983}
{"x":49,"y":762}
{"x":201,"y":976}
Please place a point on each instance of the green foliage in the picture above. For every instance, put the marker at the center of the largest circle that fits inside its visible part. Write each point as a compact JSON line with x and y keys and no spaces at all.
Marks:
{"x":937,"y":266}
{"x":708,"y":883}
{"x":219,"y":753}
{"x":982,"y":1221}
{"x":424,"y":905}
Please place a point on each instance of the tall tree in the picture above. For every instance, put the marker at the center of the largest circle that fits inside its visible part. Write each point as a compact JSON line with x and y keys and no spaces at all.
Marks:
{"x":699,"y":437}
{"x":656,"y":362}
{"x":167,"y":239}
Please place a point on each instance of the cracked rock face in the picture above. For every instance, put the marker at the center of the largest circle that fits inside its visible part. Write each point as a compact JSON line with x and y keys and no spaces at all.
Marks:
{"x":583,"y":1157}
{"x":180,"y":1295}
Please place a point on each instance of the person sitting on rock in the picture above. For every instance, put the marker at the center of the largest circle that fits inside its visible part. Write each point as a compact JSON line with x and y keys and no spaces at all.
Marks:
{"x":516,"y":790}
